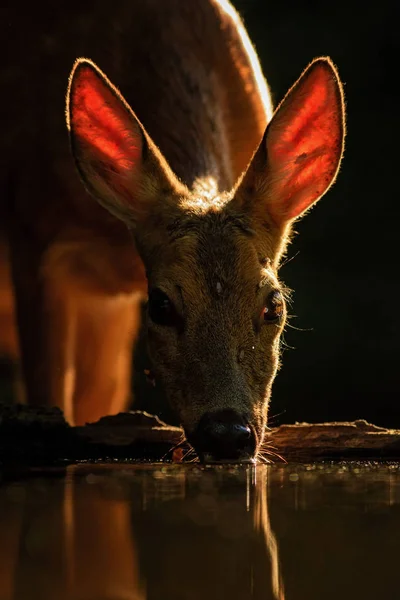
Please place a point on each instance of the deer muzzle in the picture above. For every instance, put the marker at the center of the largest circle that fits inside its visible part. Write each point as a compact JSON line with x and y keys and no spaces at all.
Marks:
{"x":224,"y":436}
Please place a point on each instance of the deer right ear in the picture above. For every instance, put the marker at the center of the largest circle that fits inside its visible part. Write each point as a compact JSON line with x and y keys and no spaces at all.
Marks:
{"x":299,"y":156}
{"x":119,"y":164}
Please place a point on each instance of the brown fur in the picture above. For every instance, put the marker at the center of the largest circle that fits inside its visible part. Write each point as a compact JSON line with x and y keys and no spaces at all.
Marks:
{"x":202,"y":107}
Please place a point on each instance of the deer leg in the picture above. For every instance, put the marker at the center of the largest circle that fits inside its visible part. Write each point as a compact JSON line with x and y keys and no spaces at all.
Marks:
{"x":46,"y":320}
{"x":107,"y":328}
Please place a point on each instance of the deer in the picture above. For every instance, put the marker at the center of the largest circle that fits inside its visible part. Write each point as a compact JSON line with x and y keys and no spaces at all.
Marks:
{"x":179,"y":184}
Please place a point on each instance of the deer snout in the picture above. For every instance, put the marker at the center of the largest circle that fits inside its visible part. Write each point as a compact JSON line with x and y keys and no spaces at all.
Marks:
{"x":224,"y":436}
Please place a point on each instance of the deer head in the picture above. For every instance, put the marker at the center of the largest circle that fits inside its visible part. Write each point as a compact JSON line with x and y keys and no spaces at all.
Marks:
{"x":216,"y":307}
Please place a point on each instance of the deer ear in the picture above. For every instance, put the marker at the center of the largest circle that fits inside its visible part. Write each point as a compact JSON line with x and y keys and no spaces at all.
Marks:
{"x":119,"y":164}
{"x":299,"y":156}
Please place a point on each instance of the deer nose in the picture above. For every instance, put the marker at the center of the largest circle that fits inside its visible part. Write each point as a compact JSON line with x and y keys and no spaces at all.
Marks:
{"x":224,"y":436}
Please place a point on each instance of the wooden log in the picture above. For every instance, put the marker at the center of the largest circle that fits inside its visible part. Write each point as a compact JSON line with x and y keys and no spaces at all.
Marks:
{"x":339,"y":441}
{"x":40,"y":436}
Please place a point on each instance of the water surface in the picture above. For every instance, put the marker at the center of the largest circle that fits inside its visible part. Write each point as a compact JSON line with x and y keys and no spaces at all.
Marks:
{"x":154,"y":532}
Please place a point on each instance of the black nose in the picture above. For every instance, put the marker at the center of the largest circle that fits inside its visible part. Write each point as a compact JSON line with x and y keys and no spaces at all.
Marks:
{"x":224,"y":435}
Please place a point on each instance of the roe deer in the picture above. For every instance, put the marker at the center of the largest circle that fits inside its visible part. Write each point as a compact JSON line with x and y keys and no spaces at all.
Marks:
{"x":200,"y":196}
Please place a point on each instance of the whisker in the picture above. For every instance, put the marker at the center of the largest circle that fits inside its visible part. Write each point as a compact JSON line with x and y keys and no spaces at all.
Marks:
{"x":261,"y":458}
{"x":299,"y":328}
{"x":188,"y":454}
{"x":271,"y":419}
{"x":195,"y":459}
{"x":269,"y":456}
{"x":287,"y":294}
{"x":284,"y":343}
{"x":267,"y":450}
{"x":182,"y":441}
{"x":288,"y":260}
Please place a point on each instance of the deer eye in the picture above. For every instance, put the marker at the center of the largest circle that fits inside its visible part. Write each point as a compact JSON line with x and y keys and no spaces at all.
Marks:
{"x":161,"y":309}
{"x":273,"y":309}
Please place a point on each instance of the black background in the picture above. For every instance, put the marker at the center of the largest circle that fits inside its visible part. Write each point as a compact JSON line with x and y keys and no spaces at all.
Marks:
{"x":345,"y":269}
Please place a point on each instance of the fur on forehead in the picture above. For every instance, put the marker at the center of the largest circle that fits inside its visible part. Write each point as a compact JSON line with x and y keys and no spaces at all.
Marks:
{"x":212,"y":219}
{"x":214,"y":226}
{"x":206,"y":210}
{"x":218,"y":244}
{"x":207,"y":221}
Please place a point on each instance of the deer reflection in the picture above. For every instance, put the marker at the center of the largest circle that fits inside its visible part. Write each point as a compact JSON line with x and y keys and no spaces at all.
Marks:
{"x":215,"y":541}
{"x":145,"y":533}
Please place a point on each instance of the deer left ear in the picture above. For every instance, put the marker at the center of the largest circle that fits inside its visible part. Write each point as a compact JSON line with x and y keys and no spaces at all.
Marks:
{"x":299,"y":156}
{"x":118,"y":162}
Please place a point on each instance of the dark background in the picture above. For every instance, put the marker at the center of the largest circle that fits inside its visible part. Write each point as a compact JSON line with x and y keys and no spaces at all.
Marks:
{"x":345,"y":269}
{"x":341,"y":360}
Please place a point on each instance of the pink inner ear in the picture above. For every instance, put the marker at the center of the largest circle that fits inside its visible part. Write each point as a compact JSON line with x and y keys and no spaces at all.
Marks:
{"x":305,"y":141}
{"x":308,"y":109}
{"x":100,"y":121}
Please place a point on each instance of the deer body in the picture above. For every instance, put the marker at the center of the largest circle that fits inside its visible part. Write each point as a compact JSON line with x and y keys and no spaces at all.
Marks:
{"x":191,"y":215}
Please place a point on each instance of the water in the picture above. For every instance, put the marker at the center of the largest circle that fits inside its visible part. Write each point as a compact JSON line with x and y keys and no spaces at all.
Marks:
{"x":135,"y":532}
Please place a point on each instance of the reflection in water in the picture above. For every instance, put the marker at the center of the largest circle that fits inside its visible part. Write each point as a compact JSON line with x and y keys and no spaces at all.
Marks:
{"x":153,"y":532}
{"x":139,"y":533}
{"x":262,"y":524}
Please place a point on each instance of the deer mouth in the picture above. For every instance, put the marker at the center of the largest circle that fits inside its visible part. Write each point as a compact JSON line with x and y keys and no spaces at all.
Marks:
{"x":224,"y":437}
